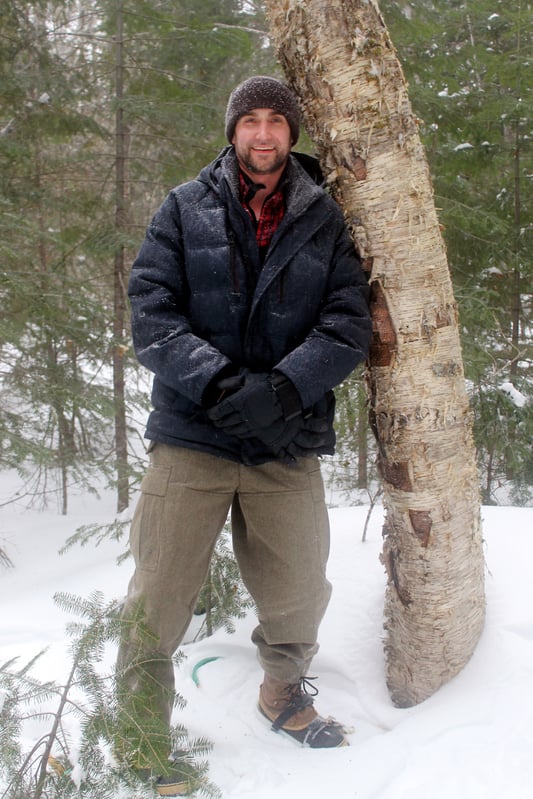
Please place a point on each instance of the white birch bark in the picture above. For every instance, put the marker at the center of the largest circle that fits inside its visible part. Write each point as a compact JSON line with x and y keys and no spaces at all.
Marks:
{"x":338,"y":57}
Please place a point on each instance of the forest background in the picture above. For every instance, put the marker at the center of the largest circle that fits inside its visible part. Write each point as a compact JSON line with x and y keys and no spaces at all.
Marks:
{"x":107,"y":104}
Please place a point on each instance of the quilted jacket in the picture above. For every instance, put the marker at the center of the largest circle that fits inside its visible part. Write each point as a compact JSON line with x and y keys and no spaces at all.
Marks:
{"x":202,"y":302}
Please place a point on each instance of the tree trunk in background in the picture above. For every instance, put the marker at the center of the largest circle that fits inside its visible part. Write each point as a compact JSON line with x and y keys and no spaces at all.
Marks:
{"x":338,"y":57}
{"x":362,"y":442}
{"x":119,"y":289}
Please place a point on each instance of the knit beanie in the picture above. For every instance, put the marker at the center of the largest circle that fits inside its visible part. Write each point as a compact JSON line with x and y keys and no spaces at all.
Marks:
{"x":262,"y":91}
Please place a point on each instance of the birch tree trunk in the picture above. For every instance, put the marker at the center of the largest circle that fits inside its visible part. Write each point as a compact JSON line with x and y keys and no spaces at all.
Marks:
{"x":338,"y":57}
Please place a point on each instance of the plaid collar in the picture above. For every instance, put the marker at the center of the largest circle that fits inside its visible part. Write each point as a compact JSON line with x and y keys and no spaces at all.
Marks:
{"x":272,"y":211}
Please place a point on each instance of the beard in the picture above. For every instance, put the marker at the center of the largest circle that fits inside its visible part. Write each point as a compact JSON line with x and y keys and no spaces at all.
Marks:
{"x":260,"y":165}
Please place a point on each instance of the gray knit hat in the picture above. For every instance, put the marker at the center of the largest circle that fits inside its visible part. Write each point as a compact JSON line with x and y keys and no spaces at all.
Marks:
{"x":262,"y":91}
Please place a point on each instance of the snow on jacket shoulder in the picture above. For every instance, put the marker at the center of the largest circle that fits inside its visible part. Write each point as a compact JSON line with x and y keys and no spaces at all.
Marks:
{"x":201,"y":302}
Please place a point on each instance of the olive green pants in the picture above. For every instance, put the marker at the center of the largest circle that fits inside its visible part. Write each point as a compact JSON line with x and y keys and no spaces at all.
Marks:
{"x":280,"y":535}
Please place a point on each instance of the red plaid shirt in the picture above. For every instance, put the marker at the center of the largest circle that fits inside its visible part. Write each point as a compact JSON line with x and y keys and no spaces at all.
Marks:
{"x":271,"y":215}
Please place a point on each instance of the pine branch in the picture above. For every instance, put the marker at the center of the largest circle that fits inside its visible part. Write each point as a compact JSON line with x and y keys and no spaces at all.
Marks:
{"x":53,"y":732}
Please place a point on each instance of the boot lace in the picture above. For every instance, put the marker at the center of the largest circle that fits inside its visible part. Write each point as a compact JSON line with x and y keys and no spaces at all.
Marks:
{"x":304,"y":688}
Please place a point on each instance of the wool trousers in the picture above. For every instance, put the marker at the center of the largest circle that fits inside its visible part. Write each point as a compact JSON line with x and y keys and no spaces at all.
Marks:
{"x":280,"y":535}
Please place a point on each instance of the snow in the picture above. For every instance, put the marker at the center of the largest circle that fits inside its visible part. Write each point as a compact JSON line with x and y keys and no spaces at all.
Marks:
{"x":516,"y":396}
{"x":473,"y":739}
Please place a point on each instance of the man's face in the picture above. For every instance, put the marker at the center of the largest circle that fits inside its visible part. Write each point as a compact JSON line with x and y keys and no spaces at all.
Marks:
{"x":262,"y":141}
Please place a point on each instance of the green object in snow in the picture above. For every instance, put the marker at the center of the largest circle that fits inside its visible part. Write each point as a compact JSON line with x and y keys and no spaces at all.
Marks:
{"x":198,"y":666}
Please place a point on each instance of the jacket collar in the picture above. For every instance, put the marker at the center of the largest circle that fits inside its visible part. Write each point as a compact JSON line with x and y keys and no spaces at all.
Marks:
{"x":298,"y":180}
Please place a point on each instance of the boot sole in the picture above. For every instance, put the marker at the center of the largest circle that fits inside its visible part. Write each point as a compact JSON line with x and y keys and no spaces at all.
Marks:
{"x":175,"y":789}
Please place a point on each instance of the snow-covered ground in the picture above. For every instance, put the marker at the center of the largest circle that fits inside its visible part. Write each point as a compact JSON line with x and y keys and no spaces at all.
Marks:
{"x":471,"y":740}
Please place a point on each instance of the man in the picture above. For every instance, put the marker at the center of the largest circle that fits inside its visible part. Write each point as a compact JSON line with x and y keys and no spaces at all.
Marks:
{"x":249,"y":305}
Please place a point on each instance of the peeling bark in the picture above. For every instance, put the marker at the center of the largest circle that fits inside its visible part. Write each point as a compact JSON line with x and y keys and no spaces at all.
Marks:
{"x":338,"y":57}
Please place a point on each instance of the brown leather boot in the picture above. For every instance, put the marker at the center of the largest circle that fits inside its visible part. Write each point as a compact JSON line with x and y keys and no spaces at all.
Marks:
{"x":290,"y":707}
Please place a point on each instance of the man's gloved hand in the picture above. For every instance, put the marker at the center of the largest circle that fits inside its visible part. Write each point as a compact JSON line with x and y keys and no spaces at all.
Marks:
{"x":220,"y":387}
{"x":268,"y":409}
{"x":315,"y":437}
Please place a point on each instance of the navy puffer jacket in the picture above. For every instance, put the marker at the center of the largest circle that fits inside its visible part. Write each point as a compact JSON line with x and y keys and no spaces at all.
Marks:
{"x":202,"y":303}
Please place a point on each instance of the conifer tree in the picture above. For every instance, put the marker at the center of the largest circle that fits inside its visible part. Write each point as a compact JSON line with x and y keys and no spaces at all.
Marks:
{"x":49,"y":402}
{"x":79,"y":730}
{"x":60,"y":240}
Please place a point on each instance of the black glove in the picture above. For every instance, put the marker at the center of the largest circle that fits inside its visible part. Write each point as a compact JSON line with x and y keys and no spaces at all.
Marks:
{"x":268,"y":409}
{"x":315,"y":437}
{"x":221,"y":387}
